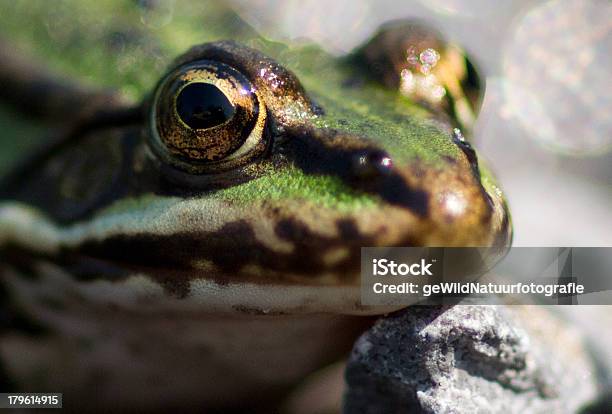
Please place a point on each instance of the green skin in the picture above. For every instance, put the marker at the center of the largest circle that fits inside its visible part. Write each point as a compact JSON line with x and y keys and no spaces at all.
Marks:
{"x":259,"y":260}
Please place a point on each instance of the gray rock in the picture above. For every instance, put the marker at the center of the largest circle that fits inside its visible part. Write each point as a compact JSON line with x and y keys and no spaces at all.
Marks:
{"x":594,"y":321}
{"x":470,"y":359}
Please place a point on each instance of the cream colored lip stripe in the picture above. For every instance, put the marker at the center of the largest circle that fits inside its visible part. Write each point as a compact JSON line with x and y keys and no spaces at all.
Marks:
{"x":270,"y":299}
{"x":26,"y":226}
{"x":235,"y":297}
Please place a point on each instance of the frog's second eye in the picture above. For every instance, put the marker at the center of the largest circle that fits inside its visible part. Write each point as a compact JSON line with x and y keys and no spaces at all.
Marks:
{"x":207,"y":116}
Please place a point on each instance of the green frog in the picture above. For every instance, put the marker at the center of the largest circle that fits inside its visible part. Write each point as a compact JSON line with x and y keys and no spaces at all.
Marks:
{"x":193,"y":241}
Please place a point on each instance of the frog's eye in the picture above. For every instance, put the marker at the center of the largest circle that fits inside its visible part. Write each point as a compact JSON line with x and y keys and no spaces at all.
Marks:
{"x":207,"y":117}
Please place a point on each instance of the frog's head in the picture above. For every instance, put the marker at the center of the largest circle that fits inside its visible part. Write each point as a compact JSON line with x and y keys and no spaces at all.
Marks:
{"x":239,"y":178}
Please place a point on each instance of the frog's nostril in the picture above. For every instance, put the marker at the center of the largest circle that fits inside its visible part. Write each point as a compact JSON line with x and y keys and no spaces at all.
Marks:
{"x":371,"y":163}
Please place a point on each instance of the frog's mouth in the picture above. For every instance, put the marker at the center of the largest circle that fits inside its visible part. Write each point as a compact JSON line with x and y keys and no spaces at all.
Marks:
{"x":270,"y":258}
{"x":238,"y":267}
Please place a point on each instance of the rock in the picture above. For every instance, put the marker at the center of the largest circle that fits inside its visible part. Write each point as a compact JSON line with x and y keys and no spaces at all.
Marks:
{"x":470,"y":359}
{"x":594,"y":321}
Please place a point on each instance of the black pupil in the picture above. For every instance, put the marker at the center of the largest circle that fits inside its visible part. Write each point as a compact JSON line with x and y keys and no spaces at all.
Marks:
{"x":202,"y":105}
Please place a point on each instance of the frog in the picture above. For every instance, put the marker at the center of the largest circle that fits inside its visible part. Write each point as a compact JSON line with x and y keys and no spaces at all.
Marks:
{"x":193,"y":241}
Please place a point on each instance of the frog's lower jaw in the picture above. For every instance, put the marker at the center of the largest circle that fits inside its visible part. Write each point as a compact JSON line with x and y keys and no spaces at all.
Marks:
{"x":156,"y":356}
{"x":309,"y":264}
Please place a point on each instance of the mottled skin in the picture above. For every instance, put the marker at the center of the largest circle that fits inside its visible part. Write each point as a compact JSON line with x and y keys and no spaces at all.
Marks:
{"x":127,"y":266}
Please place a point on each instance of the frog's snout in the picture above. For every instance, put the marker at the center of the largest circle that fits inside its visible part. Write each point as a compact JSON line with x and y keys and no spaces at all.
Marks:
{"x":447,"y":201}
